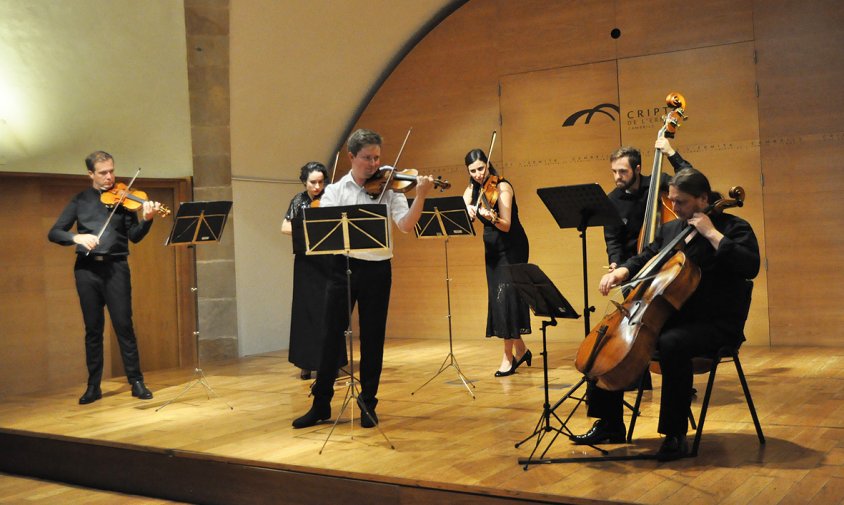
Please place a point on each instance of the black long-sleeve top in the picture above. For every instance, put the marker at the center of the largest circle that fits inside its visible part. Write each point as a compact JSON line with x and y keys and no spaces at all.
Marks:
{"x":89,"y":214}
{"x":721,"y":294}
{"x":621,"y":240}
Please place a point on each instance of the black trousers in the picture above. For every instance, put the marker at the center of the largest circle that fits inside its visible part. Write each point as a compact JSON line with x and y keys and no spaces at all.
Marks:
{"x":107,"y":284}
{"x":678,"y":343}
{"x":370,"y":290}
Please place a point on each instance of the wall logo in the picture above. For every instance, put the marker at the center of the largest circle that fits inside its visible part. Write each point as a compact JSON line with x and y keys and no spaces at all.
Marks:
{"x":571,"y":120}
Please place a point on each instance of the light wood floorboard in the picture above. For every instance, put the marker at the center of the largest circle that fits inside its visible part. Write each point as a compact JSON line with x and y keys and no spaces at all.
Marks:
{"x":445,"y":439}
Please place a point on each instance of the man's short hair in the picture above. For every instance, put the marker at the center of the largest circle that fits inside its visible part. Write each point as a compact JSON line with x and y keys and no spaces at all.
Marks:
{"x":362,"y":138}
{"x":96,"y":157}
{"x":634,"y":157}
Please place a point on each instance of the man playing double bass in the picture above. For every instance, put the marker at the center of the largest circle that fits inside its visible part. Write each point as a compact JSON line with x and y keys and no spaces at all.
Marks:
{"x":630,"y":197}
{"x":727,"y":252}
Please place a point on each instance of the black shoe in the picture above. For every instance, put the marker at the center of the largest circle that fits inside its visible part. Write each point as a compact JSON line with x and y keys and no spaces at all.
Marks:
{"x":305,"y":375}
{"x":369,"y":420}
{"x":602,"y":432}
{"x":511,"y":371}
{"x":140,"y":391}
{"x":673,"y":447}
{"x":91,"y":395}
{"x":526,"y":357}
{"x":317,"y":414}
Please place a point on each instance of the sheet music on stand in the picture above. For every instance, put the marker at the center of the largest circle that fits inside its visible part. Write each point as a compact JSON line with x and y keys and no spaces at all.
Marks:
{"x":198,"y":223}
{"x":339,"y":230}
{"x":446,"y":217}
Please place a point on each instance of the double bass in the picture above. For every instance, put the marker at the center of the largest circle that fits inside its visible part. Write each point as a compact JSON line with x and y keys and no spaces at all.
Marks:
{"x":657,"y":209}
{"x":618,"y":350}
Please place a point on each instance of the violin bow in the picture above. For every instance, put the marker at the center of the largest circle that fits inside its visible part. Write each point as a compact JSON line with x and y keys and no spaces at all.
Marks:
{"x":401,"y":149}
{"x":488,"y":158}
{"x":334,"y":170}
{"x":118,"y":204}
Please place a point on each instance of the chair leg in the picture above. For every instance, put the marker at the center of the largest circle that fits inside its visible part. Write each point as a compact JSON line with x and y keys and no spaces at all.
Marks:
{"x":749,"y":399}
{"x":704,"y":407}
{"x":636,"y":409}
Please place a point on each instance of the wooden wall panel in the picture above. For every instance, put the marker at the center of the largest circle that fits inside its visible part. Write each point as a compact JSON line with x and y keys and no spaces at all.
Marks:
{"x":539,"y":153}
{"x":663,"y":26}
{"x":800,"y":72}
{"x":538,"y":34}
{"x":42,"y":333}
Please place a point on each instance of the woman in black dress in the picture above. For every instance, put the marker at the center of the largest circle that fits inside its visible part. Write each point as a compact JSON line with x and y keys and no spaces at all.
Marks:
{"x":505,"y":243}
{"x":307,"y":318}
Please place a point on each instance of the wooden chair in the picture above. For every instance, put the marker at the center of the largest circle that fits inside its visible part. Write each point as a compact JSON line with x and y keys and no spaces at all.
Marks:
{"x":708,"y":364}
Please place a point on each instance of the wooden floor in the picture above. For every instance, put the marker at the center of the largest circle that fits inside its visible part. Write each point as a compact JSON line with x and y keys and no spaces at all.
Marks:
{"x":446,"y":440}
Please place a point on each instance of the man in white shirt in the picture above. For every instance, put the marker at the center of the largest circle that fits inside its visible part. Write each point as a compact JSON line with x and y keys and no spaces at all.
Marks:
{"x":371,"y":279}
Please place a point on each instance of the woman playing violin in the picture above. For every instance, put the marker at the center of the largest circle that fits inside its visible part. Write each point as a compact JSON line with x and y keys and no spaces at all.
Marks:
{"x":725,"y":248}
{"x":307,"y":317}
{"x":492,"y":200}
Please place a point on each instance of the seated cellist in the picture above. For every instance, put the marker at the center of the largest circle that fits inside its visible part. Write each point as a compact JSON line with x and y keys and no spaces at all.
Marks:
{"x":725,"y":248}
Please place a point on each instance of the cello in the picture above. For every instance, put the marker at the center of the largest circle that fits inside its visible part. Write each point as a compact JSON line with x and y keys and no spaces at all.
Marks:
{"x":657,"y":208}
{"x":619,"y":348}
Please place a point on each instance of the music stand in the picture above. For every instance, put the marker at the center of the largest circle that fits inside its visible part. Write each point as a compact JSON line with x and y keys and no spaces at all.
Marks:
{"x":545,"y":300}
{"x":197,"y":223}
{"x":578,"y":206}
{"x":581,"y":206}
{"x":446,"y":217}
{"x":340,"y":230}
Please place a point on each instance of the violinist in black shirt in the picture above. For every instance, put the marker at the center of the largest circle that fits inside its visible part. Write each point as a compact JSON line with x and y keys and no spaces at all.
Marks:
{"x":102,"y":271}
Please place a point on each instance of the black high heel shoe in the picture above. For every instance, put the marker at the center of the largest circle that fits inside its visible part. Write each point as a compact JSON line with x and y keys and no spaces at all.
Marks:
{"x":511,"y":371}
{"x":526,"y":357}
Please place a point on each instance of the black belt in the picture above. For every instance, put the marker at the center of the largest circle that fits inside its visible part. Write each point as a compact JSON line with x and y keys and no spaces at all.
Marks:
{"x":102,"y":257}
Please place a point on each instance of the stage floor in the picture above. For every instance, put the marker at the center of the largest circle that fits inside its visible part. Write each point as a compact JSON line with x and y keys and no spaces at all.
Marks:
{"x":446,"y":440}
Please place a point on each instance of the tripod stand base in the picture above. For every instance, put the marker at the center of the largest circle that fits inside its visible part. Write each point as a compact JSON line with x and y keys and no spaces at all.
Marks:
{"x":353,"y":394}
{"x":586,"y":459}
{"x":200,"y":379}
{"x":450,"y":361}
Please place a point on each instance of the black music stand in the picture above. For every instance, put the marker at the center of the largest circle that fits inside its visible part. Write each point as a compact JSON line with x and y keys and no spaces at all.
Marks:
{"x":581,"y":206}
{"x":197,"y":223}
{"x":545,"y":300}
{"x":446,"y":217}
{"x":340,"y":230}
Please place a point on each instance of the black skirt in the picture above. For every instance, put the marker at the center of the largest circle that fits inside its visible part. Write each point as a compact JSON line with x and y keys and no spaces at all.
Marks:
{"x":308,"y":317}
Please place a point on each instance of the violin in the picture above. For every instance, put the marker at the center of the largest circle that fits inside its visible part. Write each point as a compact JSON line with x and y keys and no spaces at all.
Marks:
{"x":618,"y":350}
{"x":400,"y":181}
{"x":658,"y":210}
{"x":488,"y":194}
{"x":133,"y":199}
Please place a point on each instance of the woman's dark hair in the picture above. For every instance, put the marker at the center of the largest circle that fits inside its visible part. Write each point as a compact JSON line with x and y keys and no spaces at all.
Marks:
{"x":475,"y":155}
{"x":692,"y":182}
{"x":313,"y":166}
